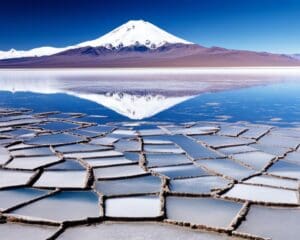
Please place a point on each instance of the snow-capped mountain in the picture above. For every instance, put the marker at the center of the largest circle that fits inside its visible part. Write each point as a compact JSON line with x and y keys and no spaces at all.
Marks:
{"x":132,"y":33}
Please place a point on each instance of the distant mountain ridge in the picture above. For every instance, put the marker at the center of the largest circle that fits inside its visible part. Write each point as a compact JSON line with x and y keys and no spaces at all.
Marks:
{"x":140,"y":44}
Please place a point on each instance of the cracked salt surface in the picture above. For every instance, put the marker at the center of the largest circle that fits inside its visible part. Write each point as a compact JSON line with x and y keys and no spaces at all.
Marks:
{"x":235,"y":180}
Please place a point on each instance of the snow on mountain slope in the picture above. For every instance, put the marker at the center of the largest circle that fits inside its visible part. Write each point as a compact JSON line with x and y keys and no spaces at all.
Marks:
{"x":131,"y":33}
{"x":135,"y":33}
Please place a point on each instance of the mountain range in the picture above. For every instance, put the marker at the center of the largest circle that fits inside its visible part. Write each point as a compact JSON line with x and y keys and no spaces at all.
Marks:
{"x":140,"y":44}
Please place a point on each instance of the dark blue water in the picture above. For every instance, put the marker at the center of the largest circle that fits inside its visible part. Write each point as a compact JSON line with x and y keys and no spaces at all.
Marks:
{"x":277,"y":104}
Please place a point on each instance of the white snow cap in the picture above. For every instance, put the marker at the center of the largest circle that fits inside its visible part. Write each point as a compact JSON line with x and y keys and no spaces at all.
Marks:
{"x":134,"y":32}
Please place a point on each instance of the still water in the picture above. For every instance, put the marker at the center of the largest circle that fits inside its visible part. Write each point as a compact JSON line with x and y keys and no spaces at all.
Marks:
{"x":176,"y":98}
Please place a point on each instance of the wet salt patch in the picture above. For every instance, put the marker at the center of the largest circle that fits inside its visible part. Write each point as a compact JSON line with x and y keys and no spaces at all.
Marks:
{"x":293,"y":157}
{"x":15,"y":231}
{"x":16,"y":116}
{"x":262,"y":194}
{"x":84,"y":133}
{"x":58,"y":126}
{"x":164,"y":148}
{"x":135,"y":185}
{"x":126,"y":145}
{"x":255,"y":132}
{"x":124,"y":132}
{"x":202,"y":211}
{"x":62,"y":179}
{"x":237,"y":149}
{"x":288,"y":132}
{"x":193,"y":149}
{"x":62,"y":206}
{"x":22,"y":133}
{"x":136,"y":231}
{"x":227,"y":168}
{"x":10,"y":178}
{"x":133,"y":207}
{"x":198,"y":185}
{"x":6,"y":129}
{"x":99,"y":129}
{"x":273,"y":181}
{"x":222,"y":141}
{"x":71,"y":148}
{"x":54,"y":139}
{"x":104,"y":141}
{"x":83,"y":155}
{"x":31,"y":163}
{"x":19,"y":122}
{"x":4,"y":155}
{"x":194,"y":130}
{"x":109,"y":161}
{"x":19,"y":146}
{"x":6,"y":141}
{"x":118,"y":171}
{"x":231,"y":131}
{"x":275,"y":150}
{"x":151,"y":132}
{"x":38,"y":151}
{"x":158,"y":160}
{"x":66,"y":165}
{"x":279,"y":140}
{"x":156,"y":140}
{"x":272,"y":223}
{"x":182,"y":171}
{"x":12,"y":197}
{"x":256,"y":160}
{"x":285,"y":169}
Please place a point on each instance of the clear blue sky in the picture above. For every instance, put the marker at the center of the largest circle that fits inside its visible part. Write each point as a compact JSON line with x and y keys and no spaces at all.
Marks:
{"x":262,"y":25}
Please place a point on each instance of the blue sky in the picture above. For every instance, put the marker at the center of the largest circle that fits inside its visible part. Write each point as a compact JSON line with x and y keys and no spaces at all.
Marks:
{"x":262,"y":25}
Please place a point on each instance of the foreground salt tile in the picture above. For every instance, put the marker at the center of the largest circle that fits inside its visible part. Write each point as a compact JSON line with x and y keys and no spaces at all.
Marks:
{"x":58,"y":126}
{"x":133,"y":207}
{"x":128,"y":145}
{"x":255,"y":132}
{"x":136,"y":231}
{"x":110,"y":161}
{"x":227,"y":168}
{"x":231,"y":131}
{"x":279,"y":140}
{"x":133,"y":185}
{"x":273,"y":181}
{"x":166,"y":159}
{"x":199,"y":185}
{"x":66,"y":165}
{"x":31,"y":163}
{"x":54,"y":139}
{"x":162,"y":148}
{"x":62,"y":179}
{"x":262,"y":194}
{"x":118,"y":171}
{"x":193,"y":149}
{"x":272,"y":223}
{"x":16,"y":231}
{"x":106,"y":141}
{"x":256,"y":160}
{"x":216,"y":141}
{"x":4,"y":155}
{"x":36,"y":151}
{"x":202,"y":211}
{"x":62,"y":206}
{"x":12,"y":178}
{"x":15,"y":196}
{"x":180,"y":171}
{"x":293,"y":157}
{"x":275,"y":150}
{"x":237,"y":149}
{"x":94,"y":154}
{"x":285,"y":169}
{"x":71,"y":148}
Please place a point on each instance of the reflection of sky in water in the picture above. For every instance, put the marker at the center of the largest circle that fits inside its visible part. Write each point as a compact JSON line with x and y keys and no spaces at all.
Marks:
{"x":277,"y":104}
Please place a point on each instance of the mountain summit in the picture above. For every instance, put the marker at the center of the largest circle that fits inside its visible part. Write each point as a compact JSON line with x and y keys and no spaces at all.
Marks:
{"x":132,"y":33}
{"x":135,"y":32}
